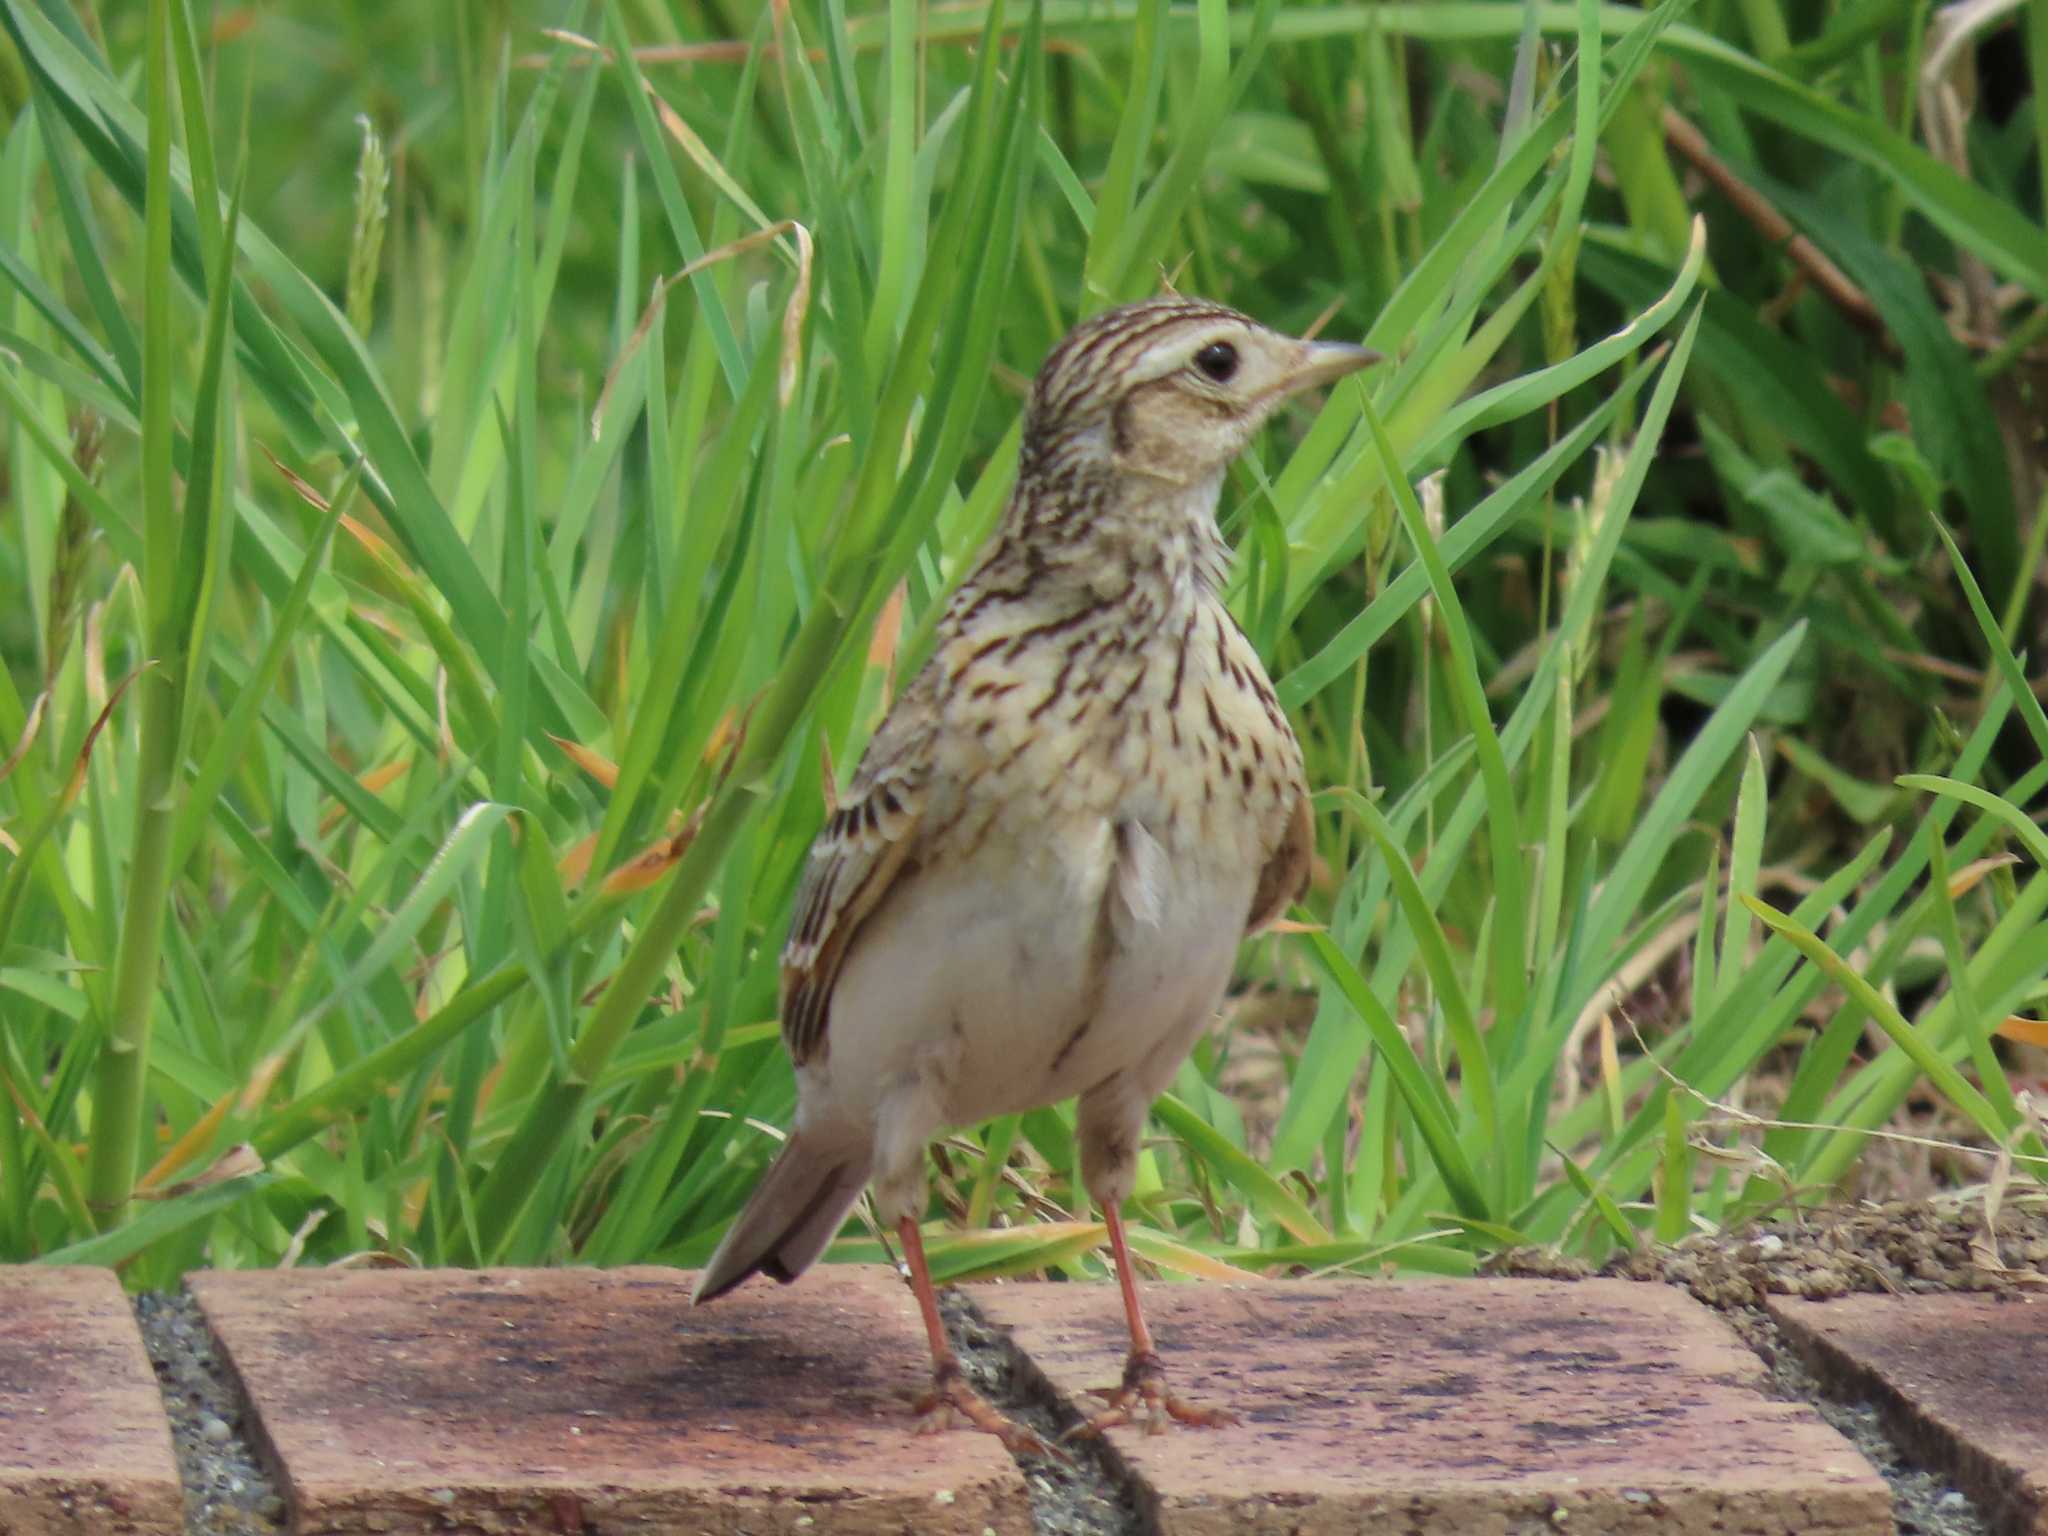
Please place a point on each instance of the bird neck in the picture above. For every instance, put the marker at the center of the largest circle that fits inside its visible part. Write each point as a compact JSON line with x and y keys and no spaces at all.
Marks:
{"x":1107,"y":537}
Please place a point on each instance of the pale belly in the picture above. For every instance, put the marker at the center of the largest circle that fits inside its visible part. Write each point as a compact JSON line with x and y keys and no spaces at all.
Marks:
{"x":994,"y":987}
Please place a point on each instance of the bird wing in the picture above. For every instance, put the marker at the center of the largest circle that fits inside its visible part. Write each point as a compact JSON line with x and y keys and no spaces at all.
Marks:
{"x":864,"y":848}
{"x":1285,"y":876}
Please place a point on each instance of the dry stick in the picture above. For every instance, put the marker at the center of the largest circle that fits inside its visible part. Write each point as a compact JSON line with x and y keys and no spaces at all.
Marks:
{"x":1775,"y":227}
{"x":1729,"y":1117}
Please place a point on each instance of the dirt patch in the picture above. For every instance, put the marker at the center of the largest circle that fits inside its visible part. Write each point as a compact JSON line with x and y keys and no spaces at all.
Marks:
{"x":1904,"y":1248}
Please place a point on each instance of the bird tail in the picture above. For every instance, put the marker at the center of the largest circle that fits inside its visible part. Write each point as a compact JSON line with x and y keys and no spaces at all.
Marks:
{"x":798,"y":1207}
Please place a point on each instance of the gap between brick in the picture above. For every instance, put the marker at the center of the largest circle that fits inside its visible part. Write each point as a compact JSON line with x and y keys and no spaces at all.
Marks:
{"x":1096,"y":1493}
{"x":224,"y":1469}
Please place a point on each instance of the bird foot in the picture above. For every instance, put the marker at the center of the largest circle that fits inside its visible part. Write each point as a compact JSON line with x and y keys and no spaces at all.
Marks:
{"x":952,"y":1404}
{"x":1143,"y":1400}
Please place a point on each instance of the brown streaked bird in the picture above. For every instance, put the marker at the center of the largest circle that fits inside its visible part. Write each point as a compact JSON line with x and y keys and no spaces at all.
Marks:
{"x":1037,"y":884}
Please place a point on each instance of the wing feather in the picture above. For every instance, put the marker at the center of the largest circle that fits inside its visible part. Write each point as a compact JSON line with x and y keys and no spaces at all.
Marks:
{"x":1285,"y":876}
{"x":862,"y":851}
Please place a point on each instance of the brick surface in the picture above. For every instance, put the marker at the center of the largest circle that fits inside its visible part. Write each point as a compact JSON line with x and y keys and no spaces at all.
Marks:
{"x":1478,"y":1407}
{"x":1962,"y":1381}
{"x":577,"y":1399}
{"x":84,"y":1445}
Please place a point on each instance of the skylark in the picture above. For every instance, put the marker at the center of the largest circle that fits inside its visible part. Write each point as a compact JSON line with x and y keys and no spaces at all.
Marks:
{"x":1059,"y":835}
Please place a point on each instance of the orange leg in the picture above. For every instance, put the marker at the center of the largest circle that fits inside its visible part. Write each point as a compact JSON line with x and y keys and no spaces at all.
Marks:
{"x":1127,"y":1277}
{"x":951,"y":1400}
{"x":1143,"y":1398}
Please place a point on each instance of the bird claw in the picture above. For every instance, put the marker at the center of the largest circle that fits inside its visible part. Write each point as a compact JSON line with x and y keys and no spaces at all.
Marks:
{"x":952,"y":1404}
{"x":1143,"y":1400}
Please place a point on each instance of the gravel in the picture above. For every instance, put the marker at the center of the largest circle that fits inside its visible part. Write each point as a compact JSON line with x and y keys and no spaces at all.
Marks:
{"x":1090,"y":1495}
{"x":228,"y":1488}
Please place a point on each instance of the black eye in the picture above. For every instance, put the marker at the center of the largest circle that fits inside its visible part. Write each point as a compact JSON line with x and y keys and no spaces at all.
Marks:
{"x":1218,"y":360}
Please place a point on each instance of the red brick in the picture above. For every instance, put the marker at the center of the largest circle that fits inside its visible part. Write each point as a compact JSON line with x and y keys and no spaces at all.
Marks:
{"x":1962,"y":1381}
{"x":546,"y":1400}
{"x":1470,"y":1407}
{"x":84,"y":1444}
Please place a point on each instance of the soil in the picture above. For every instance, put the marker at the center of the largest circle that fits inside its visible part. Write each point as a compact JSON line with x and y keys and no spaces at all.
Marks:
{"x":1901,"y":1248}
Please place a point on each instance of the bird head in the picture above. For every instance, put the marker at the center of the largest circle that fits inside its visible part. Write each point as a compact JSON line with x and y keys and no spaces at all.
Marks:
{"x":1169,"y":390}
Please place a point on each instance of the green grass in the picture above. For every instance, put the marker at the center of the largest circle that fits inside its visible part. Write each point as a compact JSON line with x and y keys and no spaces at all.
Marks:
{"x":457,"y":546}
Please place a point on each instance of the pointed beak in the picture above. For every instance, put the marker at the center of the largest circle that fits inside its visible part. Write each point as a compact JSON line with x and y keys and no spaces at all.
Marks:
{"x":1324,"y":361}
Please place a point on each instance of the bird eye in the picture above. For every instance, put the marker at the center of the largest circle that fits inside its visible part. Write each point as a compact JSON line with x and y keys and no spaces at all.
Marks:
{"x":1218,"y":360}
